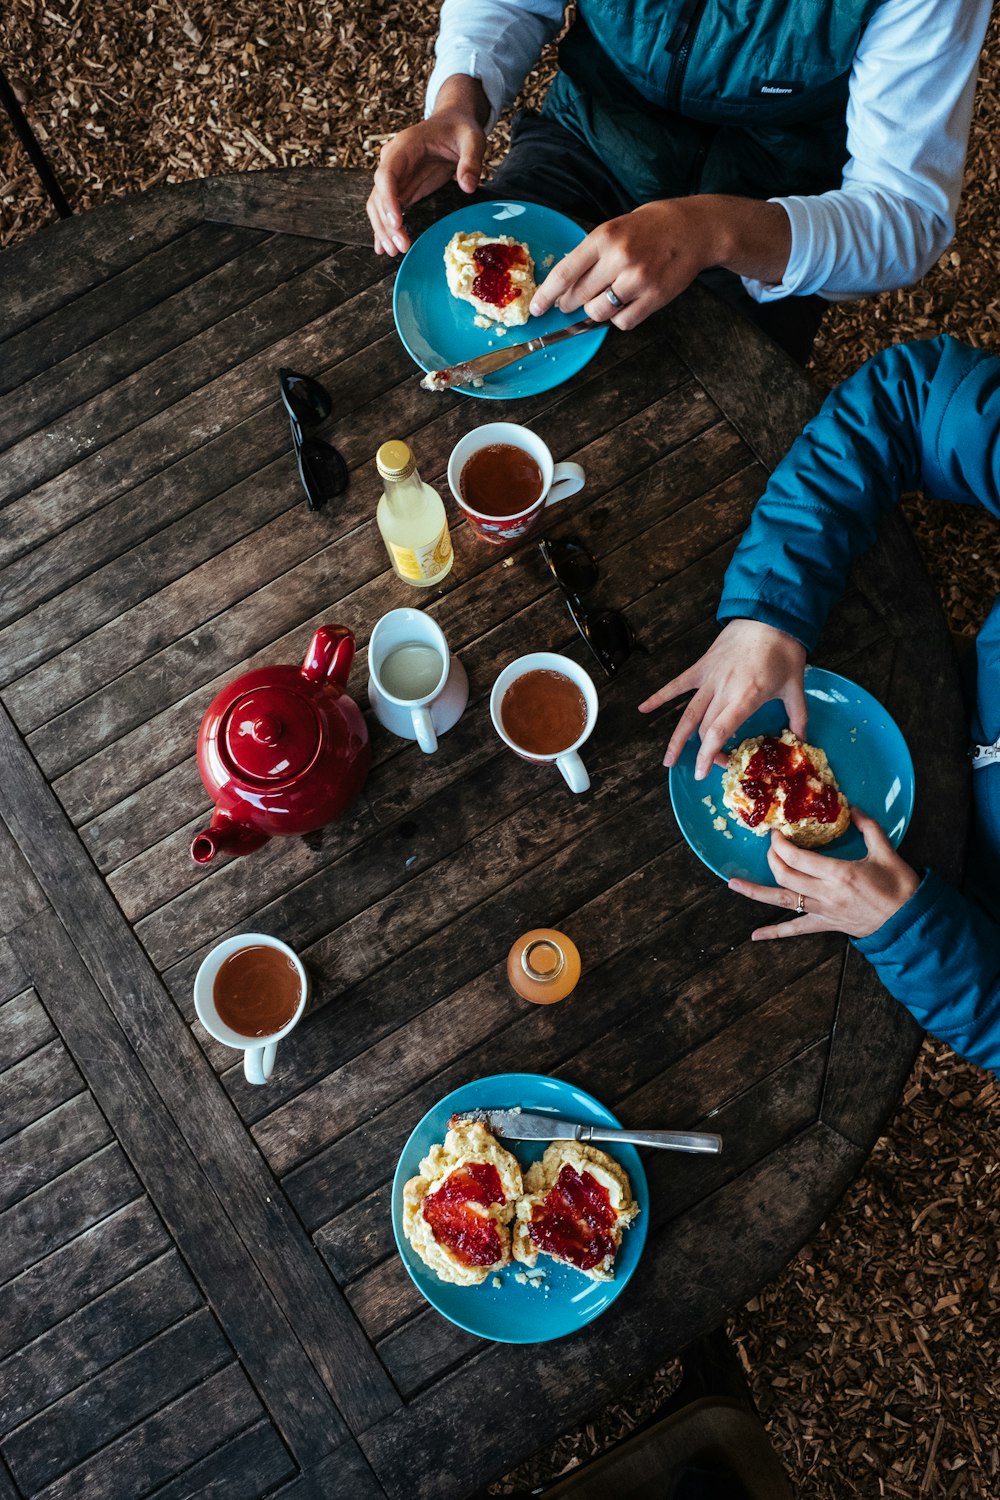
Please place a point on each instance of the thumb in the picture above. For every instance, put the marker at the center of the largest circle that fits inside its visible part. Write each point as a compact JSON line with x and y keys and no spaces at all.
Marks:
{"x":873,"y":833}
{"x":470,"y":161}
{"x":795,"y":703}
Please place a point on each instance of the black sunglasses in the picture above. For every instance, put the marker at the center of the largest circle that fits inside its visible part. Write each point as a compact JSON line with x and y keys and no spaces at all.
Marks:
{"x":321,"y":468}
{"x":608,"y":634}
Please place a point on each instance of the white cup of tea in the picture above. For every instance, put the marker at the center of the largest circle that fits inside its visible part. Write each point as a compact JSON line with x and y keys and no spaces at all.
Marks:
{"x":416,"y":688}
{"x":249,"y":992}
{"x":503,"y":477}
{"x":544,"y":707}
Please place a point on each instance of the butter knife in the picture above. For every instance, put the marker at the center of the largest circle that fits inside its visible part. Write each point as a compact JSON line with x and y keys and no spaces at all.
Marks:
{"x":525,"y":1125}
{"x":473,"y":370}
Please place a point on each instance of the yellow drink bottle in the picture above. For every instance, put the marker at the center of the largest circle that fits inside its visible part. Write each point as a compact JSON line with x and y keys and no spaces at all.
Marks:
{"x":411,"y":518}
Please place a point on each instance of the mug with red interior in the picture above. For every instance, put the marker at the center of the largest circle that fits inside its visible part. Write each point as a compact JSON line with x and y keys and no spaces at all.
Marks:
{"x":503,"y":477}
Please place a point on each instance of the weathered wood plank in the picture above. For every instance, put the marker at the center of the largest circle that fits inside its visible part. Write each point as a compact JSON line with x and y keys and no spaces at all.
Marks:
{"x":63,"y":261}
{"x":28,"y":1090}
{"x":305,"y":200}
{"x":133,"y":294}
{"x":66,"y":1207}
{"x":171,"y":1439}
{"x":243,"y":1468}
{"x":13,"y":979}
{"x":94,"y":1338}
{"x":762,"y":392}
{"x":62,"y":1138}
{"x":79,"y":1273}
{"x":103,"y":1407}
{"x":24,"y":1027}
{"x":20,"y":897}
{"x":344,"y":1474}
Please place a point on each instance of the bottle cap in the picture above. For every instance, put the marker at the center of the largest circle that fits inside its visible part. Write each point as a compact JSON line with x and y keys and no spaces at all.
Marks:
{"x":543,"y":966}
{"x":394,"y":460}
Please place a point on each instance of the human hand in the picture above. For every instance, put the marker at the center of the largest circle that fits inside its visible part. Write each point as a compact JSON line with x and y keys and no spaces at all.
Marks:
{"x":423,"y":157}
{"x":648,"y":256}
{"x":746,"y":665}
{"x":841,"y":895}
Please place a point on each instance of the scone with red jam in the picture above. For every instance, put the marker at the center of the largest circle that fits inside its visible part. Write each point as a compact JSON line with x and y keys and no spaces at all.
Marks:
{"x":781,"y":783}
{"x":457,"y":1212}
{"x":576,"y":1209}
{"x":495,"y":273}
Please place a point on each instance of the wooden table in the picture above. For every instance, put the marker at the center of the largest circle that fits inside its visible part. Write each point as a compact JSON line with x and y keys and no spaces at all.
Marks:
{"x":200,"y":1290}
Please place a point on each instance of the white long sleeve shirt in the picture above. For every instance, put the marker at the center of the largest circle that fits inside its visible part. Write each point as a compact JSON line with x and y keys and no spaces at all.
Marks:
{"x":908,"y":115}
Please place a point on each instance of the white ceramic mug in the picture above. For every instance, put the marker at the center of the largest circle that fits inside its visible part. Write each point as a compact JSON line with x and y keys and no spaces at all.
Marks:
{"x":558,"y":480}
{"x":258,"y":1052}
{"x":431,"y":708}
{"x":572,"y":767}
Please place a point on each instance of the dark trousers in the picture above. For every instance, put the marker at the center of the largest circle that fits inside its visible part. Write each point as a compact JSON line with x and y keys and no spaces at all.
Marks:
{"x":548,"y":164}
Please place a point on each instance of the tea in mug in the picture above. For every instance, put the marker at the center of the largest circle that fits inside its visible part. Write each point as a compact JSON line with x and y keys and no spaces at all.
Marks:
{"x":500,"y":480}
{"x":257,"y":990}
{"x":411,"y":671}
{"x":543,"y":712}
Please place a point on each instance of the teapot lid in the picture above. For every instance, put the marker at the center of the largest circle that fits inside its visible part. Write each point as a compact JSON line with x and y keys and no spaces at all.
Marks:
{"x":270,"y":734}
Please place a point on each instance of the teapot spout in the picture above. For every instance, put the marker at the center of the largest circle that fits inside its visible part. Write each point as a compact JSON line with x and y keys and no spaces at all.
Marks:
{"x":224,"y":836}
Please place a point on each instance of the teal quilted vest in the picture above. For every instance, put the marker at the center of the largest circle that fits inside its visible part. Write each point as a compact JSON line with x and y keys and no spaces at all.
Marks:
{"x":711,"y":96}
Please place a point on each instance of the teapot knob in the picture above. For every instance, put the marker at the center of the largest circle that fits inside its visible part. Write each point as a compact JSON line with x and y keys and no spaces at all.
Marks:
{"x":267,"y":730}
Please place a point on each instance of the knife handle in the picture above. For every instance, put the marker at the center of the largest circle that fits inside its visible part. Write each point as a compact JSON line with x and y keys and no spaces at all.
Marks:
{"x":667,"y":1140}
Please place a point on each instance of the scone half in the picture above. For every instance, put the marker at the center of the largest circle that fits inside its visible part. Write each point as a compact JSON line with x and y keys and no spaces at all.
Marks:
{"x":577,"y":1205}
{"x":457,"y":1212}
{"x":495,"y":273}
{"x":780,"y":782}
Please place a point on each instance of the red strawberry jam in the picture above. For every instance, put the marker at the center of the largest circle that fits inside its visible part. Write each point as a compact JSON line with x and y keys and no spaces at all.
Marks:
{"x":776,"y":764}
{"x":457,"y":1213}
{"x":576,"y":1222}
{"x":494,"y":263}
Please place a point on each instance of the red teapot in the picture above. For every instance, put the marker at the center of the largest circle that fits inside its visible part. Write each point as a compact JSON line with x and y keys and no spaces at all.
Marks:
{"x":282,"y":750}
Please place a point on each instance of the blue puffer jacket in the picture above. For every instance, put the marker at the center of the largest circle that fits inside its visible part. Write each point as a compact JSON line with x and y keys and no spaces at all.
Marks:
{"x":921,"y":416}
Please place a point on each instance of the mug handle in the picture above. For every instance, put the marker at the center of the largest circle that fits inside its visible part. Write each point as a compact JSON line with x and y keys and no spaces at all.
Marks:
{"x":423,"y":728}
{"x":574,"y":771}
{"x":258,"y":1062}
{"x":566,"y":480}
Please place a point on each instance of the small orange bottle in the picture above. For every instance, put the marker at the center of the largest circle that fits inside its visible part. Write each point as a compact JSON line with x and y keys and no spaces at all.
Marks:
{"x":543,"y":966}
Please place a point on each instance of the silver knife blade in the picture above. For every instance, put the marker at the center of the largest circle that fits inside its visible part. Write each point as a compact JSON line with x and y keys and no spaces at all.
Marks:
{"x":473,"y":370}
{"x":523,"y":1124}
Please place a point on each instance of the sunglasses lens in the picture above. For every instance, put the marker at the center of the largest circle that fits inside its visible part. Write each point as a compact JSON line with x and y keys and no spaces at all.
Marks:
{"x":322,"y":470}
{"x":572,"y":564}
{"x":610,"y":636}
{"x":305,"y":399}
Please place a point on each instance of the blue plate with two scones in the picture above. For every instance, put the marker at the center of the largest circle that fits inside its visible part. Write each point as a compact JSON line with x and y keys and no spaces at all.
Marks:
{"x":537,"y":1307}
{"x":867,"y":753}
{"x":438,"y":330}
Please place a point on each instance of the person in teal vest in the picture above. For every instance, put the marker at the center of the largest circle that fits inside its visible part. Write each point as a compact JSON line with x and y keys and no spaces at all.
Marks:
{"x":786,"y":149}
{"x":921,"y":416}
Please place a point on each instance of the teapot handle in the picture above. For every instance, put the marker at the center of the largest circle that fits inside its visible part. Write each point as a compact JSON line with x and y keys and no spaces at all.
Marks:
{"x":330,"y":654}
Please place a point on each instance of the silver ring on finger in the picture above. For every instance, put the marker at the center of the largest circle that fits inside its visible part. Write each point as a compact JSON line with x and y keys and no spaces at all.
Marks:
{"x":800,"y":906}
{"x":613,"y":298}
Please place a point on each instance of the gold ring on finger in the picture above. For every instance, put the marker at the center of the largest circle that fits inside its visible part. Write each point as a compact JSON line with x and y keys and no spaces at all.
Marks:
{"x":800,"y":906}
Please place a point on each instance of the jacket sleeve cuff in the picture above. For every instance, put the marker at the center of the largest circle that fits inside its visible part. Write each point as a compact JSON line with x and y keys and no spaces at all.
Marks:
{"x":733,"y":608}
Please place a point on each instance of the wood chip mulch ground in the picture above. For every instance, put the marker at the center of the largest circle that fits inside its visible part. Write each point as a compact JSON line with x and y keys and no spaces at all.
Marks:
{"x":874,"y":1356}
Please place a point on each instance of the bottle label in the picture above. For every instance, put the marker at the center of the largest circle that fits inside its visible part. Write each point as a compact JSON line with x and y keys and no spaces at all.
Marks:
{"x":418,"y":563}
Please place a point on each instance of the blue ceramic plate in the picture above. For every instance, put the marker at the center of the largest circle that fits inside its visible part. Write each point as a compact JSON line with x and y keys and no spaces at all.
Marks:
{"x":564,"y":1300}
{"x":438,"y":330}
{"x":867,"y":753}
